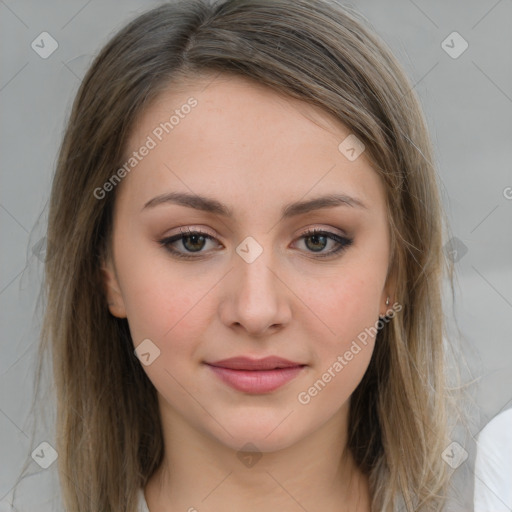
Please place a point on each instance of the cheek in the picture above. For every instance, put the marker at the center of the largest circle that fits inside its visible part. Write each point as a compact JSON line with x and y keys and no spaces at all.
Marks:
{"x":346,"y":299}
{"x":350,"y":308}
{"x":332,"y":388}
{"x":157,"y":299}
{"x":166,"y":310}
{"x":346,"y":306}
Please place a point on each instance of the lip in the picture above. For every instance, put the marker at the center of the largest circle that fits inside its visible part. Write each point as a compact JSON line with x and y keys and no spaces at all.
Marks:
{"x":248,"y":363}
{"x":256,"y":376}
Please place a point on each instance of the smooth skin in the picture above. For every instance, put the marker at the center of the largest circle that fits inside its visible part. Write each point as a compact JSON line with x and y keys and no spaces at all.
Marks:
{"x":254,"y":150}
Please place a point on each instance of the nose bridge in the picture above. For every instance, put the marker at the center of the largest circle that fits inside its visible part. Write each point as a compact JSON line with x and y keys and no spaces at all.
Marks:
{"x":257,"y":298}
{"x":254,"y":276}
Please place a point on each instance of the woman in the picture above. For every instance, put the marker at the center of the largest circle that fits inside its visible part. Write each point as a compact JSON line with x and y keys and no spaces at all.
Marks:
{"x":243,"y":302}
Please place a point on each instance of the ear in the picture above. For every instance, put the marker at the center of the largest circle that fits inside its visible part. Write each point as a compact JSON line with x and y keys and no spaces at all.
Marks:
{"x":112,"y":290}
{"x":388,"y":291}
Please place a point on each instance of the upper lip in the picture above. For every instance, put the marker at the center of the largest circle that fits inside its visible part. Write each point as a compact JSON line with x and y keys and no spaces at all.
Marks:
{"x":247,"y":363}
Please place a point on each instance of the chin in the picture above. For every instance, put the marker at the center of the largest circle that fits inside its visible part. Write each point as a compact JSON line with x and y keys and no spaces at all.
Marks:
{"x":262,"y":432}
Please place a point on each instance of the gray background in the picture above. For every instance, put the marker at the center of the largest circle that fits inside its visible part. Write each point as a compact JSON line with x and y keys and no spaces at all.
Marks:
{"x":468,"y":105}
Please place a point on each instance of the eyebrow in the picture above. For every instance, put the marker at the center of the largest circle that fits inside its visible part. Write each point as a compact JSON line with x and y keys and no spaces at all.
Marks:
{"x":211,"y":205}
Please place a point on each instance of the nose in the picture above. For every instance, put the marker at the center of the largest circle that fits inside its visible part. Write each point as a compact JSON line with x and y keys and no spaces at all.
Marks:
{"x":255,"y":298}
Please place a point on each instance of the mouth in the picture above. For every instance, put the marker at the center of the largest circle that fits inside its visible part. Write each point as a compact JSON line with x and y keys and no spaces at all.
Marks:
{"x":256,"y":376}
{"x":249,"y":364}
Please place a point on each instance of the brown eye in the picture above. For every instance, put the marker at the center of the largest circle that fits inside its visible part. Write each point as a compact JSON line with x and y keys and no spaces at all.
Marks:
{"x":191,"y":242}
{"x":317,"y":240}
{"x":194,"y":242}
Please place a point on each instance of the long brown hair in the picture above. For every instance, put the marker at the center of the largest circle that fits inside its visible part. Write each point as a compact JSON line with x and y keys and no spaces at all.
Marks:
{"x":109,"y":436}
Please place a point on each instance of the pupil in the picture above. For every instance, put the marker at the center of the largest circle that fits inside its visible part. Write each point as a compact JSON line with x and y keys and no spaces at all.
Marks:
{"x":315,"y":239}
{"x":319,"y":242}
{"x":194,"y":239}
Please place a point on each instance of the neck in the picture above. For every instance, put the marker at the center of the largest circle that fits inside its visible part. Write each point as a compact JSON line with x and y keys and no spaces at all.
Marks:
{"x":200,"y":474}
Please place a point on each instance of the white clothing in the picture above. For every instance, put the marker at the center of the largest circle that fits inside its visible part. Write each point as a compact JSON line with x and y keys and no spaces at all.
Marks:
{"x":493,"y":466}
{"x":142,"y":506}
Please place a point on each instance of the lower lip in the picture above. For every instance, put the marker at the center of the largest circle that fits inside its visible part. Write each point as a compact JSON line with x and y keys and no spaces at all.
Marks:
{"x":256,"y":381}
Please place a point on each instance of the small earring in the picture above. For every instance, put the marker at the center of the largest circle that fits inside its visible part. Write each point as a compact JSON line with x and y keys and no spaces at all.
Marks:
{"x":387,"y":301}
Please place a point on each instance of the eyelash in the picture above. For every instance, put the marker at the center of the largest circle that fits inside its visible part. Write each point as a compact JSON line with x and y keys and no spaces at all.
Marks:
{"x":343,"y":242}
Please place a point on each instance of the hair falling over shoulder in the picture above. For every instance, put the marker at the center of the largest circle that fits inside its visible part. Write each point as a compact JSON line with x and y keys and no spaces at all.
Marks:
{"x":109,"y":437}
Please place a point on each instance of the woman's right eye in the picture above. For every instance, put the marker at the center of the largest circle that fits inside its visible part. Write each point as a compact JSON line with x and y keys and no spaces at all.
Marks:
{"x":192,"y":241}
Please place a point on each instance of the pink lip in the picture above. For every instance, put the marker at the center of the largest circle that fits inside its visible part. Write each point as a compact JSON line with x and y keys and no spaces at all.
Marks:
{"x":256,"y":375}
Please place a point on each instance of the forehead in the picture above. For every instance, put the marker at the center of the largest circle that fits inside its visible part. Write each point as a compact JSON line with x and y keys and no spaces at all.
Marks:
{"x":241,"y":138}
{"x":229,"y":97}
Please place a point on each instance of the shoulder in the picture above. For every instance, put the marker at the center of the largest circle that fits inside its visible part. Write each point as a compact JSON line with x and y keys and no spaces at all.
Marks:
{"x":493,"y":465}
{"x":500,"y":425}
{"x":495,"y":439}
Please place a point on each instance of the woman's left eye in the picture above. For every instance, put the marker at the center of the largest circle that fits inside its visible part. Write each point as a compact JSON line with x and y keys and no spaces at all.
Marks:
{"x":318,"y":240}
{"x":194,"y":241}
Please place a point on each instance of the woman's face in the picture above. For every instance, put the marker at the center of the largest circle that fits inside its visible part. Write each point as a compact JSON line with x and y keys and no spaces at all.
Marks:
{"x":245,"y":167}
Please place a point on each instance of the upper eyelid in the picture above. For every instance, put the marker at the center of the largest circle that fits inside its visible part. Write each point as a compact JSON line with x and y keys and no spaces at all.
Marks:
{"x":187,"y":231}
